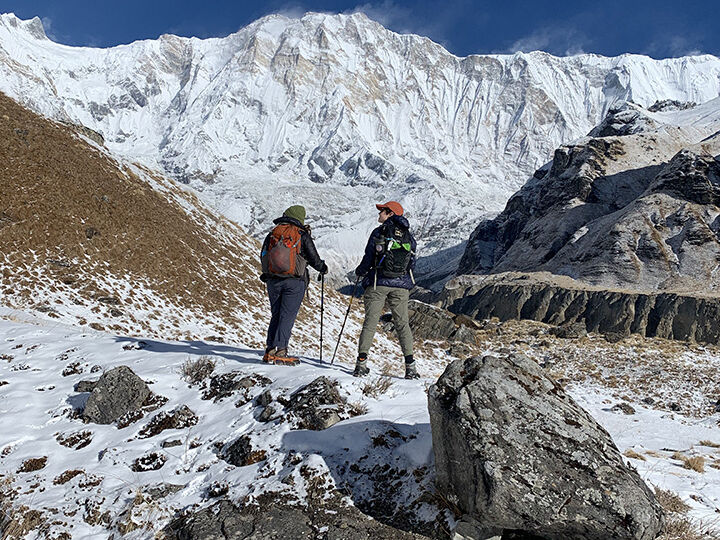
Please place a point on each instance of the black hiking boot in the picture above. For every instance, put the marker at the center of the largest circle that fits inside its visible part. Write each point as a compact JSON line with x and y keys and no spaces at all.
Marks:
{"x":361,"y":369}
{"x":411,"y":371}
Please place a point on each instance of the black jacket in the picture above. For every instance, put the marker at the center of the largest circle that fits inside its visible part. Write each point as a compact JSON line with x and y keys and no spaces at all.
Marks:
{"x":307,"y":250}
{"x":367,"y":265}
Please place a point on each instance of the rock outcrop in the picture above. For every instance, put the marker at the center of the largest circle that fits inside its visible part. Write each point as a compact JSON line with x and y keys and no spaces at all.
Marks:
{"x":280,"y":520}
{"x":562,"y":301}
{"x":118,"y":392}
{"x":519,"y":456}
{"x":636,"y":210}
{"x":318,"y":405}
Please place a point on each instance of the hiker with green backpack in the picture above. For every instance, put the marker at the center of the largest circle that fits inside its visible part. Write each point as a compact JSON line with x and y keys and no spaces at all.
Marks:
{"x":387,"y":271}
{"x":286,"y":252}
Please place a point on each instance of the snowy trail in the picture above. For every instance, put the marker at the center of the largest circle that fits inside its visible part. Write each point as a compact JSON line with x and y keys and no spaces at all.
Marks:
{"x":37,"y":402}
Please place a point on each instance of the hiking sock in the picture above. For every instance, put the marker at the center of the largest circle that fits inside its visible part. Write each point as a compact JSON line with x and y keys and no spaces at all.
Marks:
{"x":409,"y":359}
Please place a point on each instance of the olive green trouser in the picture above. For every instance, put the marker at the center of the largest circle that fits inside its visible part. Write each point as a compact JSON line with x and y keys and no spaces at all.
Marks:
{"x":374,"y":300}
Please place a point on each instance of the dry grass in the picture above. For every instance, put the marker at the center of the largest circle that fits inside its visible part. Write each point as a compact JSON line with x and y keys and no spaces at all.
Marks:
{"x":196,"y":370}
{"x":683,"y":528}
{"x":72,"y":218}
{"x":670,"y":501}
{"x":357,"y":408}
{"x":377,"y":387}
{"x":709,"y":443}
{"x":632,"y":454}
{"x":696,"y":463}
{"x":679,"y":526}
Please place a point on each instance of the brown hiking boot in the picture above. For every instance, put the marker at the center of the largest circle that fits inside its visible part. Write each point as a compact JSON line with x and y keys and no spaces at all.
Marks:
{"x":281,"y":357}
{"x":267,"y":356}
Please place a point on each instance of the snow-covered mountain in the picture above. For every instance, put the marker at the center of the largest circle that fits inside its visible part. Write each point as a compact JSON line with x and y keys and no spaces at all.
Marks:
{"x":337,"y":112}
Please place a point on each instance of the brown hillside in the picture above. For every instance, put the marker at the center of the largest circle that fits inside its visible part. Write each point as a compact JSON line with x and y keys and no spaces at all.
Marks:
{"x":78,"y":230}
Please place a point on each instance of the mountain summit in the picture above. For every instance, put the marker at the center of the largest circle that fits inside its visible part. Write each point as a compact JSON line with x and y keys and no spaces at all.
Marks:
{"x":335,"y":111}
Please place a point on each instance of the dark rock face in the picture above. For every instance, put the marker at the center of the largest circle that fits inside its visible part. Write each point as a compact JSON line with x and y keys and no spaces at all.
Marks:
{"x":633,"y":208}
{"x":118,"y":392}
{"x":570,"y":331}
{"x":625,"y":119}
{"x":613,"y":313}
{"x":517,"y":455}
{"x":434,"y":323}
{"x":241,"y":453}
{"x":226,"y":384}
{"x":318,"y":405}
{"x":277,"y":520}
{"x":180,"y":418}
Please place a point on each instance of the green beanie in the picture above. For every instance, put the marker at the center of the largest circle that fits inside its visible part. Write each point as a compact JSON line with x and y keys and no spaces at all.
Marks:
{"x":296,"y":212}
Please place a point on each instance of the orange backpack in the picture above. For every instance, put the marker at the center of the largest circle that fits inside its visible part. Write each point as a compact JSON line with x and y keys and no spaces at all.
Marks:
{"x":282,"y":256}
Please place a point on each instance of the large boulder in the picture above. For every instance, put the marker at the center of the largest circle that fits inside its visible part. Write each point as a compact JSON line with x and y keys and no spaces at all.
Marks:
{"x":118,"y":392}
{"x":518,"y":455}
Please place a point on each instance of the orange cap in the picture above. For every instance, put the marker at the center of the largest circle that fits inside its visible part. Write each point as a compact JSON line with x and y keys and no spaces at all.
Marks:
{"x":393,"y":206}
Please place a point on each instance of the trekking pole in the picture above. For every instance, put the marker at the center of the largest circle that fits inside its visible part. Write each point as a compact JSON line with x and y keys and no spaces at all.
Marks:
{"x":322,"y":311}
{"x":345,"y":319}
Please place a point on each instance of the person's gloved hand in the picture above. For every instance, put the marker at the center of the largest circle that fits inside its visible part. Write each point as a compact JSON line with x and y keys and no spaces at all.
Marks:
{"x":359,"y":273}
{"x":323,"y":270}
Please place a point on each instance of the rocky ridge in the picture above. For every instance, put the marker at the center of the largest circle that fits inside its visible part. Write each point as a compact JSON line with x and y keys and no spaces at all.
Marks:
{"x":619,"y":231}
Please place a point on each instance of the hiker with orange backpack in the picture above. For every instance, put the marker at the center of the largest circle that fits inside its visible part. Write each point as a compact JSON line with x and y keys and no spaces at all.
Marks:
{"x":286,"y":252}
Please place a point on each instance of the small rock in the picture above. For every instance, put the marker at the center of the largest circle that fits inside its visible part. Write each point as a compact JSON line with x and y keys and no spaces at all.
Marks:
{"x":570,"y":331}
{"x":614,"y":337}
{"x":624,"y":408}
{"x":85,"y":386}
{"x":241,"y":453}
{"x":464,"y":334}
{"x":271,"y":412}
{"x":179,"y":418}
{"x":317,"y":405}
{"x":160,"y":491}
{"x":149,"y":462}
{"x":217,"y":489}
{"x":265,"y":398}
{"x":171,"y":444}
{"x":224,"y":385}
{"x":673,"y":406}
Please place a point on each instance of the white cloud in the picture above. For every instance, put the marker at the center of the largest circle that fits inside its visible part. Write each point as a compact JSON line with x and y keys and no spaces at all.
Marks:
{"x":387,"y":13}
{"x":673,"y":47}
{"x":292,"y":11}
{"x":48,"y":27}
{"x":682,"y":46}
{"x":563,"y":41}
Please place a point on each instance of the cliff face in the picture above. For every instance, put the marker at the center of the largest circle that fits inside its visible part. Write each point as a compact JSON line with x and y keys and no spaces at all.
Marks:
{"x":638,"y":209}
{"x":561,"y":301}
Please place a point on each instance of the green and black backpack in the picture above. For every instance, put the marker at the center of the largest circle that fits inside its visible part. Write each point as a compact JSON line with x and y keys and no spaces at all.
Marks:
{"x":393,"y":251}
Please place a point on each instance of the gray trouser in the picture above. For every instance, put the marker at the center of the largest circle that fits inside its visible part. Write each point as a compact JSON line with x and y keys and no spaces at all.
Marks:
{"x":285,"y":296}
{"x":374,"y":300}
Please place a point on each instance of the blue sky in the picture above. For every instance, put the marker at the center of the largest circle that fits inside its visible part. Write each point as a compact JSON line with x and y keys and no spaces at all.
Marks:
{"x":657,"y":28}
